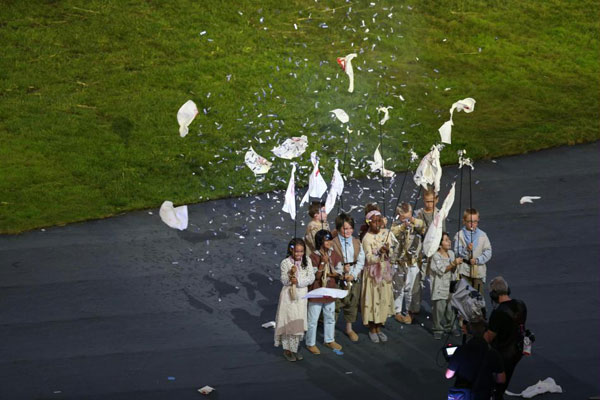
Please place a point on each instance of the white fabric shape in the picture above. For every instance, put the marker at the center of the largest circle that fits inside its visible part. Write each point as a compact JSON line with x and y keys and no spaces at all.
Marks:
{"x":206,"y":389}
{"x":433,"y":237}
{"x":446,"y":132}
{"x":346,"y":64}
{"x":462,"y":161}
{"x":316,"y":183}
{"x":267,"y":325}
{"x":429,"y":171}
{"x":528,"y":199}
{"x":291,"y":148}
{"x":378,"y":164}
{"x":341,"y":115}
{"x":548,"y":385}
{"x":335,"y":189}
{"x":258,"y":164}
{"x":185,"y":116}
{"x":326,"y":292}
{"x":175,"y":217}
{"x":289,"y":205}
{"x":386,"y":114}
{"x":467,"y":105}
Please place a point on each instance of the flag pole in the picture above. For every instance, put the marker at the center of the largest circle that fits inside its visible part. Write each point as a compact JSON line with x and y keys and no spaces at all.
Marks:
{"x":341,"y":203}
{"x":382,"y":166}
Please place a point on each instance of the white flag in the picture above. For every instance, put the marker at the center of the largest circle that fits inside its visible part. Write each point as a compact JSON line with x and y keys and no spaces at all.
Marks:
{"x":289,"y":206}
{"x":432,"y":240}
{"x":378,"y":164}
{"x":185,"y":116}
{"x":386,"y":114}
{"x":335,"y":190}
{"x":346,"y":64}
{"x":467,"y":105}
{"x":316,"y":183}
{"x":429,"y":171}
{"x":175,"y":217}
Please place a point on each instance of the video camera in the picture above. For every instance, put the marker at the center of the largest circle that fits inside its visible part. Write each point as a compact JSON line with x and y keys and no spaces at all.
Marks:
{"x":467,"y":301}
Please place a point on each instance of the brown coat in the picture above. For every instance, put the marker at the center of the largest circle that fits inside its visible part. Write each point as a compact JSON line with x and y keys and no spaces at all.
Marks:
{"x":328,"y":268}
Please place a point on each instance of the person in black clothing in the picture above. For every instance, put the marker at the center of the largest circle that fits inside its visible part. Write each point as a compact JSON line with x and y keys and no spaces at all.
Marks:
{"x":475,"y":364}
{"x":506,"y":329}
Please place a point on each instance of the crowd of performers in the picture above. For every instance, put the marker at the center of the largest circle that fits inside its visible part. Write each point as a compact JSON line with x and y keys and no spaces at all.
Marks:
{"x":384,"y":271}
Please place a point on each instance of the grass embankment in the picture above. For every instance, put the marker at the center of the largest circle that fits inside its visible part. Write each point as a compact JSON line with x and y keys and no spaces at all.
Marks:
{"x":89,"y":91}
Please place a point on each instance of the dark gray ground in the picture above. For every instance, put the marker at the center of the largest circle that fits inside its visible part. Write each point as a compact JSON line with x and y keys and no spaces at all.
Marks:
{"x":111,"y":309}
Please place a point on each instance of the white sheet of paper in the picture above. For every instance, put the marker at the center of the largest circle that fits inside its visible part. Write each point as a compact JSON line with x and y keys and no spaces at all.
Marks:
{"x":528,"y":199}
{"x":346,"y":64}
{"x":326,"y":292}
{"x":256,"y":163}
{"x":270,"y":324}
{"x":175,"y":217}
{"x":185,"y":116}
{"x":206,"y":389}
{"x":429,"y":171}
{"x":291,"y":148}
{"x":340,"y":115}
{"x":386,"y":114}
{"x":378,"y":165}
{"x":289,"y":205}
{"x":431,"y":243}
{"x":335,"y":189}
{"x":316,"y":183}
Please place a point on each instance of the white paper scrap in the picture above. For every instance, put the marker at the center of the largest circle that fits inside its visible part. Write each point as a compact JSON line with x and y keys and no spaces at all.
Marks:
{"x":270,"y":324}
{"x":326,"y":292}
{"x":258,"y":164}
{"x":175,"y":217}
{"x":185,"y":116}
{"x":291,"y":148}
{"x":548,"y":385}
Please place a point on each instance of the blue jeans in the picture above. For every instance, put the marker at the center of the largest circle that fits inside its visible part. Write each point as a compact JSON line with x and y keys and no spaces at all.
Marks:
{"x":314,"y":310}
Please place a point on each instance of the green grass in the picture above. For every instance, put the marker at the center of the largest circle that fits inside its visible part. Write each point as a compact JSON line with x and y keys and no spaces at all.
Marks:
{"x":89,"y":92}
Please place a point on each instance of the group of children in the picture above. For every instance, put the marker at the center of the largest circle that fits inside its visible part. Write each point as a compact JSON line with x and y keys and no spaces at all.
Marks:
{"x":384,"y":273}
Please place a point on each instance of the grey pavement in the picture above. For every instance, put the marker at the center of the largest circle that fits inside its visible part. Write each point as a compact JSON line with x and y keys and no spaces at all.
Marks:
{"x":127,"y":308}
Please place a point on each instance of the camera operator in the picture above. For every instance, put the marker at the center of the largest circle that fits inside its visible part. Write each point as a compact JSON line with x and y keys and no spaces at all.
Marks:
{"x":506,"y":329}
{"x":476,"y":365}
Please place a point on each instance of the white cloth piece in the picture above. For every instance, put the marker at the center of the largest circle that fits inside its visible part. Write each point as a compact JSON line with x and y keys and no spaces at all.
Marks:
{"x":346,"y":64}
{"x":316,"y":183}
{"x":270,"y":324}
{"x":429,"y":171}
{"x":467,"y":105}
{"x":446,"y":132}
{"x":378,"y":164}
{"x":386,"y":114}
{"x":340,"y":115}
{"x":206,"y":389}
{"x":289,"y":205}
{"x":326,"y":292}
{"x":175,"y":217}
{"x":431,"y":243}
{"x":256,"y":163}
{"x":335,"y":189}
{"x":548,"y":385}
{"x":185,"y":116}
{"x":462,"y":160}
{"x":528,"y":199}
{"x":291,"y":148}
